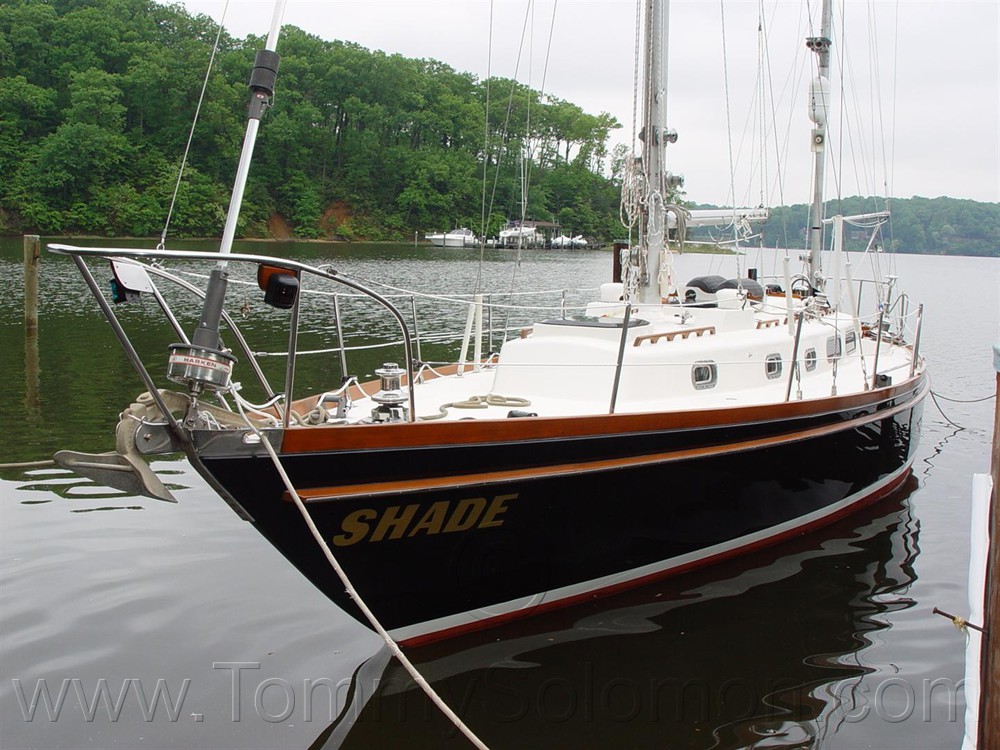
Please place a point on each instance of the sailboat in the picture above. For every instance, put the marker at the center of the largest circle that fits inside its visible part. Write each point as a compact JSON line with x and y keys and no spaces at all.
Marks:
{"x":670,"y":426}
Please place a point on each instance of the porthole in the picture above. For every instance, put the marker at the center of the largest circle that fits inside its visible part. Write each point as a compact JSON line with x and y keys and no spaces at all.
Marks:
{"x":850,"y":342}
{"x":772,"y":366}
{"x":704,"y":375}
{"x":810,"y":360}
{"x":834,"y":348}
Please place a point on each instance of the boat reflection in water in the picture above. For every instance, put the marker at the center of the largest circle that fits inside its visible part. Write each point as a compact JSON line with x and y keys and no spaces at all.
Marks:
{"x":765,"y":655}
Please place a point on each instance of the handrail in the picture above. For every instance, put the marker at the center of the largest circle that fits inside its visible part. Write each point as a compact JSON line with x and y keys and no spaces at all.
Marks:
{"x":141,"y":258}
{"x":456,"y":298}
{"x":878,"y":348}
{"x":916,"y":340}
{"x":285,"y":263}
{"x":293,"y":342}
{"x":340,"y":336}
{"x":130,"y":352}
{"x":621,"y":357}
{"x":439,"y":338}
{"x":230,"y":323}
{"x":793,"y":372}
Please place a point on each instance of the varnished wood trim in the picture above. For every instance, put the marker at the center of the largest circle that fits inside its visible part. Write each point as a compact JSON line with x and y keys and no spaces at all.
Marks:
{"x":469,"y":432}
{"x":683,"y":333}
{"x":374,"y":489}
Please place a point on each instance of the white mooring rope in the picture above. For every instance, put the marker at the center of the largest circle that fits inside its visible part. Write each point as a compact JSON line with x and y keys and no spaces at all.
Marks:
{"x":369,"y":615}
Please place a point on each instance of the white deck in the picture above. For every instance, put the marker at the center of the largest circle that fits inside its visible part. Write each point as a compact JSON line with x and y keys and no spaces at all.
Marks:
{"x":567,"y":370}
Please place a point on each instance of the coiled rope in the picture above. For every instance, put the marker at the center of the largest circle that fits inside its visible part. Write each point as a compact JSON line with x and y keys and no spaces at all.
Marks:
{"x":478,"y":402}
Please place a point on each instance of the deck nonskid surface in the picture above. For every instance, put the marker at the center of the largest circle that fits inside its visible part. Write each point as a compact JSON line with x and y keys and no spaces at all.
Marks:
{"x":435,"y":395}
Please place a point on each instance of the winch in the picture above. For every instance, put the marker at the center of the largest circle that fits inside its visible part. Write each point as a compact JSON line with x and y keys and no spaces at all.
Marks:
{"x":391,"y":399}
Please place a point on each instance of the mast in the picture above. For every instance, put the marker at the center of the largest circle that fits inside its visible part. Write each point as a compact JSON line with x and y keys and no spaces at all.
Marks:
{"x":819,"y":104}
{"x":653,"y":135}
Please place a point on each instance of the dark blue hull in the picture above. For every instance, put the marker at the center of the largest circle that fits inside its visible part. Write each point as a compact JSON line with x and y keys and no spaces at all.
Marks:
{"x":449,"y":536}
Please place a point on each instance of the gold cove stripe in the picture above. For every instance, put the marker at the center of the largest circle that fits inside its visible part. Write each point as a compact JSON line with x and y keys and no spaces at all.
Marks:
{"x":406,"y":486}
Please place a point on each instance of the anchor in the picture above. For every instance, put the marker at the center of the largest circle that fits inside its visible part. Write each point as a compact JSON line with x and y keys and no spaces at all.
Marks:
{"x":124,"y":468}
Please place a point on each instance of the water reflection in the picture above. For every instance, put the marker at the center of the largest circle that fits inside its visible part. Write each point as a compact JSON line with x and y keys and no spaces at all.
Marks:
{"x":806,"y":632}
{"x":32,"y":382}
{"x":936,"y":450}
{"x":65,"y":485}
{"x":767,"y":651}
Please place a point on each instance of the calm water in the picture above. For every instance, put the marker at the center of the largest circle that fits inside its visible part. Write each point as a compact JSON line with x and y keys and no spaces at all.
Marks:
{"x":130,"y":622}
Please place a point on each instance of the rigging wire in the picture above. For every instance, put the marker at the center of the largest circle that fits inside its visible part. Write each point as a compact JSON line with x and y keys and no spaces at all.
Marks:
{"x":541,"y":92}
{"x":486,"y":152}
{"x":878,"y":133}
{"x":729,"y":134}
{"x":510,"y":104}
{"x":194,"y":123}
{"x":526,"y":165}
{"x":837,"y":173}
{"x":799,"y":65}
{"x":760,"y":93}
{"x":867,"y":183}
{"x":863,"y":182}
{"x":506,"y":122}
{"x":628,"y":202}
{"x":848,"y":133}
{"x":526,"y":145}
{"x":892,"y":135}
{"x":633,"y":186}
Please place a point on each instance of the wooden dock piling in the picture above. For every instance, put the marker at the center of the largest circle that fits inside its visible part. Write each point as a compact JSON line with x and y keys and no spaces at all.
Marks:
{"x":989,"y":674}
{"x":32,"y":253}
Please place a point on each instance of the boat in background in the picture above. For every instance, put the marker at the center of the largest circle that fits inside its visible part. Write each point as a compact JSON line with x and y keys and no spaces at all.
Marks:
{"x":520,"y":234}
{"x":665,"y":426}
{"x":461,"y":237}
{"x":568,"y":243}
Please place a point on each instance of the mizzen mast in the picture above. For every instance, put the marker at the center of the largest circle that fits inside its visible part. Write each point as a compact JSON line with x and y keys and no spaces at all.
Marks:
{"x":819,"y":106}
{"x":654,"y":111}
{"x":655,"y":135}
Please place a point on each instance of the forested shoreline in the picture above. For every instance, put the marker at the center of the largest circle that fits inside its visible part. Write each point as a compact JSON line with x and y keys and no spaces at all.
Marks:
{"x":942,"y":226}
{"x":97,"y":98}
{"x":938,"y":226}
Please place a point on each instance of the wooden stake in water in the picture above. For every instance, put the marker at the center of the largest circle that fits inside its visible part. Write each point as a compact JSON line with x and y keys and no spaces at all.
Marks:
{"x":32,"y":252}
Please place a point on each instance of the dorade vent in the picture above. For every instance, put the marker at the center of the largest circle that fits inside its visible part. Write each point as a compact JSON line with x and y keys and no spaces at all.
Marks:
{"x":704,"y":375}
{"x":683,"y":333}
{"x":772,"y":366}
{"x":810,"y":360}
{"x":834,"y":348}
{"x":850,"y":342}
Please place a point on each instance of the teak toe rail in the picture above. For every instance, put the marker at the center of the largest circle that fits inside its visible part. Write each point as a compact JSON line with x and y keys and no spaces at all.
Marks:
{"x":671,"y":335}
